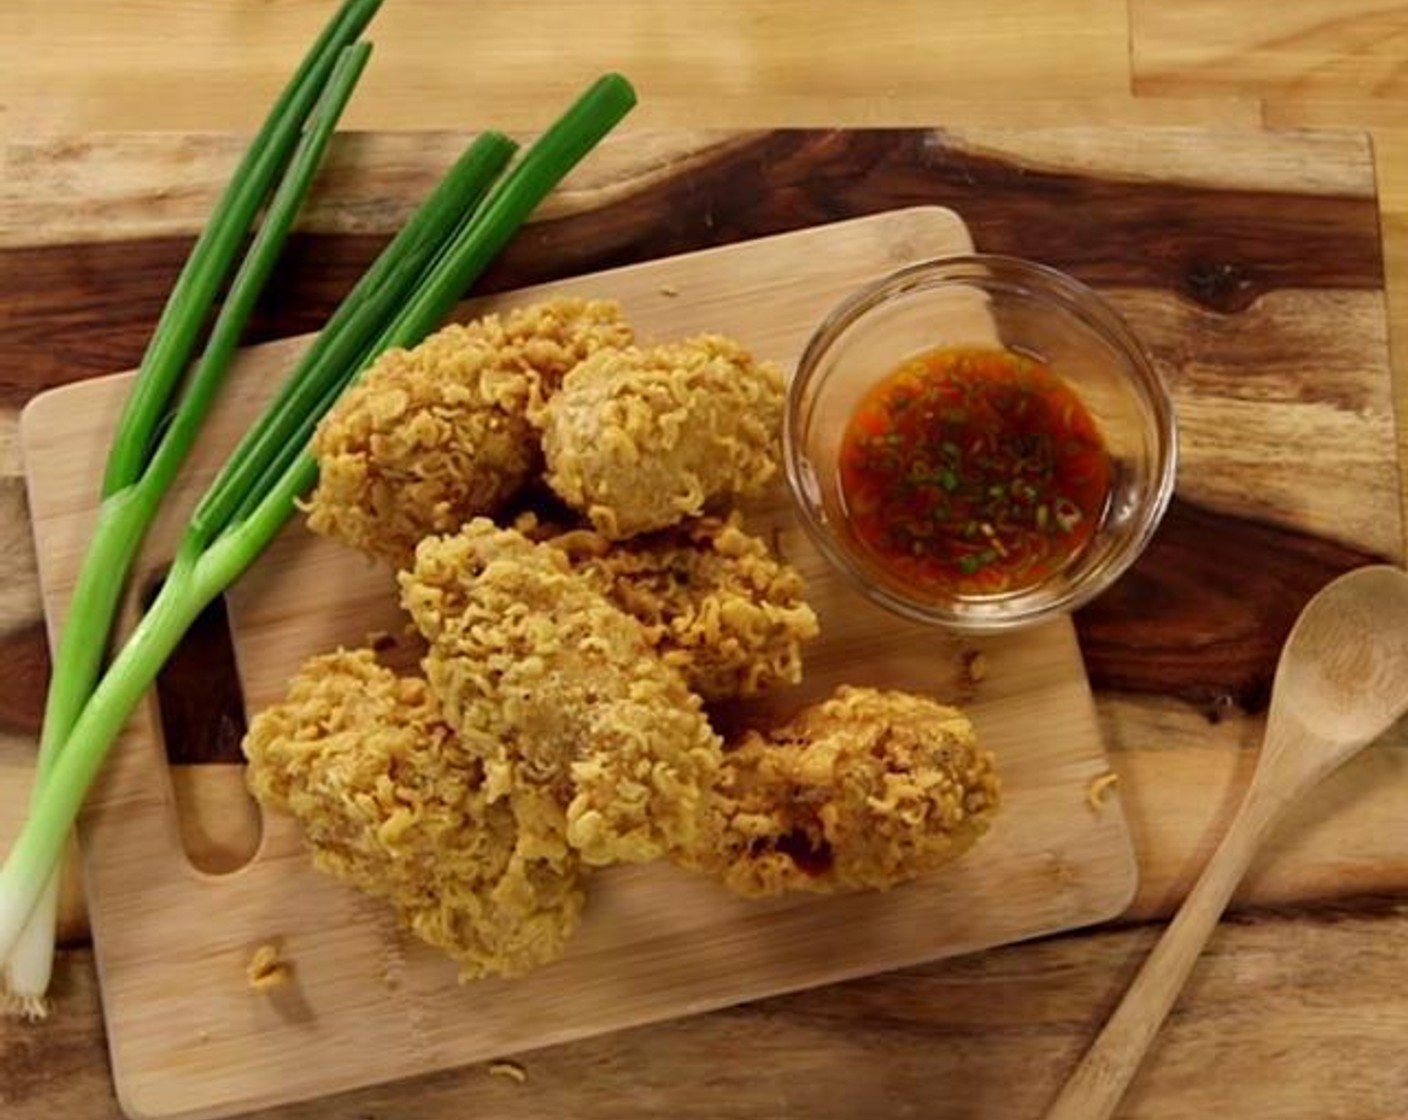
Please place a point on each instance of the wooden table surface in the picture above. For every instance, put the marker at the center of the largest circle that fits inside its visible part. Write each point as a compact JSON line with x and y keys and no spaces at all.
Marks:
{"x":1293,"y":1013}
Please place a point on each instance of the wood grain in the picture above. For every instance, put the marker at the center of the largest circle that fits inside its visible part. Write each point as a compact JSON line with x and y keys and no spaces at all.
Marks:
{"x":1299,"y":48}
{"x":1289,"y":1015}
{"x":447,"y":65}
{"x":1390,"y":134}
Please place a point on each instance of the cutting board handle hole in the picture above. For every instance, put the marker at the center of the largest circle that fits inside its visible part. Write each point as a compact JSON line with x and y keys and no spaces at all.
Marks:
{"x":202,"y":711}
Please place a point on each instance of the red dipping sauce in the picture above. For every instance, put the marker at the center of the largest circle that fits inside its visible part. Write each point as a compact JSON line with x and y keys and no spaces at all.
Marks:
{"x":973,"y":471}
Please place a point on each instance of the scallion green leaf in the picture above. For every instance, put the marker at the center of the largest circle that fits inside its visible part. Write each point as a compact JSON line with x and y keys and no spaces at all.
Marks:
{"x":193,"y":295}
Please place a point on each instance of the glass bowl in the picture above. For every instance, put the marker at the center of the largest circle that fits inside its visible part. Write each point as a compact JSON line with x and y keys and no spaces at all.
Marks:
{"x":983,"y":301}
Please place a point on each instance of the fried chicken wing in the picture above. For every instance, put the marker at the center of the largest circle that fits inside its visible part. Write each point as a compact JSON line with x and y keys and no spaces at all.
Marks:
{"x":392,"y":800}
{"x":714,"y":601}
{"x":639,"y":439}
{"x":597,"y":744}
{"x":432,"y":436}
{"x":867,"y":789}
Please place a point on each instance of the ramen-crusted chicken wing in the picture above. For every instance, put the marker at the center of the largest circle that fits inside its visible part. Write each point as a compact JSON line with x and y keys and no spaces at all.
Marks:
{"x":867,"y":789}
{"x":437,"y":434}
{"x":714,"y":601}
{"x":392,"y":800}
{"x":596,"y":743}
{"x":639,"y":439}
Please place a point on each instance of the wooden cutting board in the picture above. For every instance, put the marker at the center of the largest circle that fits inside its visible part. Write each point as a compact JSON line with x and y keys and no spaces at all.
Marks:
{"x":187,"y":1034}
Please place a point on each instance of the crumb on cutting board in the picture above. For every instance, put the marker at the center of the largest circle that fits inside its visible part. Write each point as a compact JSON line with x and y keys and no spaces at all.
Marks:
{"x":266,"y":970}
{"x":510,"y":1070}
{"x":973,"y":667}
{"x":669,"y":291}
{"x":1100,"y":787}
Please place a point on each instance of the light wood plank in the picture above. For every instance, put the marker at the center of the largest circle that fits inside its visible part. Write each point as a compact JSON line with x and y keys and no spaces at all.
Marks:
{"x":1305,"y":48}
{"x":1388,"y":125}
{"x":174,"y":64}
{"x":1235,"y":428}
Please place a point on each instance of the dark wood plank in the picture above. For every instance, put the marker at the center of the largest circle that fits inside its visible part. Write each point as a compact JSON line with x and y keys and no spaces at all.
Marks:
{"x":24,"y":668}
{"x":1181,"y":624}
{"x":74,"y":311}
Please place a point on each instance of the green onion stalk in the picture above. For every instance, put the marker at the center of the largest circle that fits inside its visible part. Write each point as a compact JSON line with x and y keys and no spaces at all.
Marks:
{"x":256,"y":493}
{"x":152,"y":439}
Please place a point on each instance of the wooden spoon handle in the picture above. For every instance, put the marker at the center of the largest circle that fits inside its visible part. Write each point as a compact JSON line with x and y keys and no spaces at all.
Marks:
{"x":1095,"y":1089}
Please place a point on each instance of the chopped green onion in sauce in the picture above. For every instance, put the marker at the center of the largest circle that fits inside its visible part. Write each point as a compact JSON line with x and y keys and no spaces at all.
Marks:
{"x":973,"y":471}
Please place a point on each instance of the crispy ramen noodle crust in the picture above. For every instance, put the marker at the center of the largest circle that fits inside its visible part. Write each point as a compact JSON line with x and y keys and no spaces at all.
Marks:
{"x":865,"y":790}
{"x":391,"y":800}
{"x":266,"y":970}
{"x":434,"y":435}
{"x":639,"y":439}
{"x":595,"y":743}
{"x":714,"y":601}
{"x":1101,"y":786}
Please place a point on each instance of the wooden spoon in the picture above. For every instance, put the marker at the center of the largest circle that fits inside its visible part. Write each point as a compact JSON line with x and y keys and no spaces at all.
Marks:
{"x":1341,"y":682}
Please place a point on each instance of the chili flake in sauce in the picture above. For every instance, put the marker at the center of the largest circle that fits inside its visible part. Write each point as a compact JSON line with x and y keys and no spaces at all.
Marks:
{"x":973,"y":471}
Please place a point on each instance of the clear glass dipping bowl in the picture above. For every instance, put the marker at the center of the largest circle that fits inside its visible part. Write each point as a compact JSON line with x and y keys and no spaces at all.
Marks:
{"x":983,"y":300}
